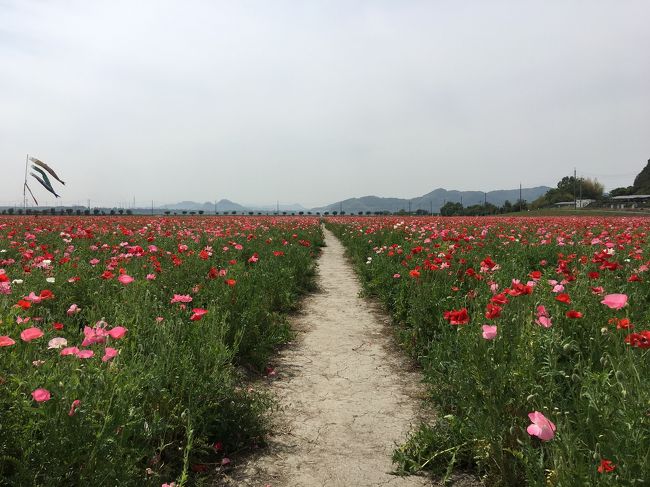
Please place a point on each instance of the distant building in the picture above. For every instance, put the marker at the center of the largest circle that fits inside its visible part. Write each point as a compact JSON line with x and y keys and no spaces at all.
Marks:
{"x":629,"y":201}
{"x":573,"y":204}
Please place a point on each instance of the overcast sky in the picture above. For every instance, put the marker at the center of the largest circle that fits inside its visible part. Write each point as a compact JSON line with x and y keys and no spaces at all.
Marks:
{"x":316,"y":101}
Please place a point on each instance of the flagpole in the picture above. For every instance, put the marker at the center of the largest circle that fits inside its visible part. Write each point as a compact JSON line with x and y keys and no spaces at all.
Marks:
{"x":25,"y":184}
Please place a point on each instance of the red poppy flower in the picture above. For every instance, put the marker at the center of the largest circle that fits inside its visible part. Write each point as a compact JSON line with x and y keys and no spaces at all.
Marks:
{"x":606,"y":466}
{"x":493,"y":311}
{"x":500,"y":299}
{"x":572,"y":313}
{"x":639,"y":340}
{"x":563,"y":298}
{"x":46,"y":294}
{"x":457,"y":317}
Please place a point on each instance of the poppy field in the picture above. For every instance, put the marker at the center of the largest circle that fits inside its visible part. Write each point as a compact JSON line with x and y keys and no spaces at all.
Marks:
{"x":534,"y":335}
{"x":126,"y":344}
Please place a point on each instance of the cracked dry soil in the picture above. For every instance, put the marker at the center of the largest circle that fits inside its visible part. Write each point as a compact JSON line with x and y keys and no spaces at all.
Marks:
{"x":347,"y":397}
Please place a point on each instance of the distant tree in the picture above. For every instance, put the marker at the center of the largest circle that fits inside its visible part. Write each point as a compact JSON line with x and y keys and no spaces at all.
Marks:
{"x":250,"y":213}
{"x":570,"y":185}
{"x":451,"y":209}
{"x":96,"y":211}
{"x":642,"y":180}
{"x":521,"y":205}
{"x":201,"y":212}
{"x":87,"y":212}
{"x":192,"y":213}
{"x":622,"y":191}
{"x":167,"y":212}
{"x":360,"y":213}
{"x":121,"y":211}
{"x":184,"y":212}
{"x":335,"y":213}
{"x":129,"y":212}
{"x":301,"y":213}
{"x":284,"y":212}
{"x":10,"y":211}
{"x":342,"y":212}
{"x":326,"y":213}
{"x":52,"y":211}
{"x":233,"y":212}
{"x":68,"y":211}
{"x":112,"y":212}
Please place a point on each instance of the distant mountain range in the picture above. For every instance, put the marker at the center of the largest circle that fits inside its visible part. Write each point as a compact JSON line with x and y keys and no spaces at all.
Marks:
{"x":432,"y":201}
{"x":229,"y":206}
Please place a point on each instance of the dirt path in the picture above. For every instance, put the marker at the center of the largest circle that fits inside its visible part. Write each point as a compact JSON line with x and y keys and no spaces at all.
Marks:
{"x":347,"y":397}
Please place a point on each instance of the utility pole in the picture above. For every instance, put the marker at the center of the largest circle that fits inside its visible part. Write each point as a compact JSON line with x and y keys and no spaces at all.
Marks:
{"x":521,"y":202}
{"x":151,"y":207}
{"x":215,"y":207}
{"x":341,"y":208}
{"x":277,"y":206}
{"x":575,"y":201}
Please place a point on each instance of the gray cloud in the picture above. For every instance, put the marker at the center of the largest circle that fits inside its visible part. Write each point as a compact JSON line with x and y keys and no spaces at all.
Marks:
{"x":317,"y":101}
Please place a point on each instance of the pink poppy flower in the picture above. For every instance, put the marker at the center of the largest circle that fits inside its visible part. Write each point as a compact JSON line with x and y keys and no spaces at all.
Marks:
{"x":93,"y":335}
{"x":615,"y":301}
{"x":33,"y":298}
{"x":198,"y":313}
{"x":117,"y":332}
{"x":109,"y":353}
{"x":181,"y":298}
{"x":73,"y":408}
{"x":69,"y":351}
{"x":85,"y":354}
{"x":94,"y":262}
{"x":41,"y":395}
{"x":151,"y":277}
{"x":58,"y":342}
{"x":6,"y":341}
{"x":30,"y":334}
{"x":396,"y":276}
{"x":542,"y":427}
{"x":73,"y":310}
{"x":543,"y":318}
{"x":489,"y":332}
{"x":125,"y":279}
